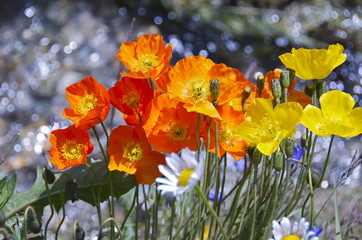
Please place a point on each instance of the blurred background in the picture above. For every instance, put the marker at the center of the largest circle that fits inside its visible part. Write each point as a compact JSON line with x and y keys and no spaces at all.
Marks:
{"x":47,"y":45}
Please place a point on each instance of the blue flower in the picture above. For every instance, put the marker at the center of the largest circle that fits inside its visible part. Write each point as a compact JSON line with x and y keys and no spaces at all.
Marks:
{"x":317,"y":231}
{"x":298,"y":152}
{"x":212,"y":195}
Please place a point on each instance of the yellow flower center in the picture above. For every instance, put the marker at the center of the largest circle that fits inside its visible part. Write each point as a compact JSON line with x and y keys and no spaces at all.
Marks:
{"x":268,"y":128}
{"x":132,"y":100}
{"x":291,"y":237}
{"x":226,"y":135}
{"x":133,"y":152}
{"x":71,"y":150}
{"x":185,"y":176}
{"x":87,"y":103}
{"x":145,"y":62}
{"x":176,"y":133}
{"x":197,"y":91}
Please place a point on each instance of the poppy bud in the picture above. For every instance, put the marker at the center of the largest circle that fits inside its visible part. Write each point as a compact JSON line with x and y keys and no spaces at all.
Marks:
{"x":245,"y":95}
{"x":48,"y":176}
{"x":79,"y":232}
{"x":33,"y":224}
{"x":309,"y":90}
{"x":285,"y":80}
{"x":71,"y":190}
{"x":260,"y":82}
{"x":214,"y":89}
{"x":276,"y":88}
{"x":315,"y":180}
{"x":303,"y":141}
{"x":321,"y":88}
{"x":278,"y":161}
{"x":289,"y":146}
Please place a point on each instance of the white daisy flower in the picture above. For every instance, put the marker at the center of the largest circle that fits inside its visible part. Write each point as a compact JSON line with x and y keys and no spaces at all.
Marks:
{"x":181,"y":173}
{"x":298,"y":231}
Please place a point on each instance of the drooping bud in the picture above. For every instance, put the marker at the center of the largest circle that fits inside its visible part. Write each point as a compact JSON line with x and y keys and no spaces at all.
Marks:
{"x":71,"y":190}
{"x":260,"y":82}
{"x":315,"y":179}
{"x":79,"y":232}
{"x":48,"y":176}
{"x":278,"y":161}
{"x":32,"y":222}
{"x":309,"y":90}
{"x":321,"y":88}
{"x":289,"y":146}
{"x":245,"y":95}
{"x":214,"y":89}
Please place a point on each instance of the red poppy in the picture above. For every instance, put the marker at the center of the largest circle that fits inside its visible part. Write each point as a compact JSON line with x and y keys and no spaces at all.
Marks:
{"x":70,"y":147}
{"x":131,"y":96}
{"x":130,"y":152}
{"x":89,"y":102}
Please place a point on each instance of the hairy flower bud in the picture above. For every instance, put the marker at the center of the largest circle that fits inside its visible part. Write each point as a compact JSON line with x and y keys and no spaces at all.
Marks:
{"x":315,"y":179}
{"x":48,"y":176}
{"x":278,"y":161}
{"x":33,"y":224}
{"x":214,"y":89}
{"x":289,"y":146}
{"x":285,"y":80}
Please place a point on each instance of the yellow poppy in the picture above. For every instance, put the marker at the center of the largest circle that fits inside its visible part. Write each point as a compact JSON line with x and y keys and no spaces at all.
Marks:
{"x":312,"y":64}
{"x":336,"y":116}
{"x":267,"y":127}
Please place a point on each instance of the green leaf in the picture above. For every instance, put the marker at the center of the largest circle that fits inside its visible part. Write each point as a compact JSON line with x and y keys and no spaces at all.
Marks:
{"x":6,"y":189}
{"x":101,"y":183}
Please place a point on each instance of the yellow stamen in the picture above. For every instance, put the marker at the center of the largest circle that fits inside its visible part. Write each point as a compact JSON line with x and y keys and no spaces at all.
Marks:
{"x":132,"y":100}
{"x":291,"y":237}
{"x":145,"y":62}
{"x":71,"y":150}
{"x":176,"y":133}
{"x":133,"y":152}
{"x":185,"y":176}
{"x":197,"y":91}
{"x":87,"y":103}
{"x":268,"y":128}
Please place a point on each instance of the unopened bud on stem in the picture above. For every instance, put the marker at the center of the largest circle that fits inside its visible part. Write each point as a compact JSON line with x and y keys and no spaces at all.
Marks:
{"x":214,"y":89}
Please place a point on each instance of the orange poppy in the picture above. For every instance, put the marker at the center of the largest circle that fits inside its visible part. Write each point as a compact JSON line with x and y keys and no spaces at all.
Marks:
{"x":228,"y":136}
{"x":175,"y":129}
{"x":89,"y":102}
{"x":131,"y":96}
{"x":293,"y":96}
{"x":147,"y":58}
{"x":190,"y":84}
{"x":70,"y":147}
{"x":130,"y":152}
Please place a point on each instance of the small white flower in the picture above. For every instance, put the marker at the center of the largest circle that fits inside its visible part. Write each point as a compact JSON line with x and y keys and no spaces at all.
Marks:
{"x":181,"y":173}
{"x":286,"y":231}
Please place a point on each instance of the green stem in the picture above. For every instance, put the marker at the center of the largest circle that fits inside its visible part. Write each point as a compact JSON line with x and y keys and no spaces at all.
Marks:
{"x":129,"y":211}
{"x":11,"y":147}
{"x":146,"y":212}
{"x":172,"y":217}
{"x":255,"y":189}
{"x":213,"y":213}
{"x":100,"y":145}
{"x":51,"y":210}
{"x":327,"y":161}
{"x":137,"y":208}
{"x":63,"y":217}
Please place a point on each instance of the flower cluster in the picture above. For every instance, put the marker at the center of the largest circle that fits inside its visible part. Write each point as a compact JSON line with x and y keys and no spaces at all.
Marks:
{"x":163,"y":105}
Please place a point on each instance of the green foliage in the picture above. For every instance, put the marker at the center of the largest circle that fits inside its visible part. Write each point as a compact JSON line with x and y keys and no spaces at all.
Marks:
{"x":7,"y":188}
{"x":94,"y":185}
